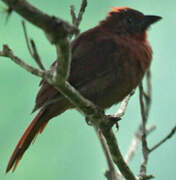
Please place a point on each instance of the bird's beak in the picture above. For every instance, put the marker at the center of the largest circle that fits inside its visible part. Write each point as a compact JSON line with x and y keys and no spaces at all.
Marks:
{"x":150,"y":19}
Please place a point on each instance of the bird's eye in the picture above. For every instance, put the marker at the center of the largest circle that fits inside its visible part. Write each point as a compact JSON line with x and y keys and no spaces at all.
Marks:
{"x":129,"y":20}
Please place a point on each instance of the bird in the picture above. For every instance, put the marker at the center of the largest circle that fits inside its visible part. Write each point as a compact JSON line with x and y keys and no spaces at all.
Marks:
{"x":108,"y":62}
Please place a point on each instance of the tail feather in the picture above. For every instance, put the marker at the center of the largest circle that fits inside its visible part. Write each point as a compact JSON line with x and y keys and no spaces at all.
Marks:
{"x":36,"y":126}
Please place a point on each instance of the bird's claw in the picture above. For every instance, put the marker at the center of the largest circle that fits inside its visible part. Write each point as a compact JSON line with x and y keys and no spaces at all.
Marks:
{"x":114,"y":121}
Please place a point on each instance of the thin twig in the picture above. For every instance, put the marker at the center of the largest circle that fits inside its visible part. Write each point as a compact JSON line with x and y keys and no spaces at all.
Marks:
{"x":55,"y":28}
{"x":7,"y":52}
{"x":145,"y":107}
{"x":145,"y":148}
{"x":146,"y":177}
{"x":148,"y":94}
{"x":111,"y":173}
{"x":136,"y":140}
{"x":36,"y":55}
{"x":77,"y":20}
{"x":81,"y":12}
{"x":135,"y":143}
{"x":33,"y":51}
{"x":26,"y":38}
{"x":73,"y":14}
{"x":172,"y":132}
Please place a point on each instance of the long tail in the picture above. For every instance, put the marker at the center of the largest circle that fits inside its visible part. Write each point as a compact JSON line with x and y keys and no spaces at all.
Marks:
{"x":36,"y":126}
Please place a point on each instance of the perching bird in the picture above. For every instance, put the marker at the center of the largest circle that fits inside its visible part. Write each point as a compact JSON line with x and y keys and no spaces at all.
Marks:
{"x":108,"y":61}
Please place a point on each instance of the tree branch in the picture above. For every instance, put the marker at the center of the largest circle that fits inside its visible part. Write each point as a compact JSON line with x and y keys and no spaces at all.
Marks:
{"x":172,"y":132}
{"x":73,"y":14}
{"x":36,"y":55}
{"x":145,"y":148}
{"x":33,"y":51}
{"x":148,"y":95}
{"x":117,"y":156}
{"x":81,"y":12}
{"x":111,"y":173}
{"x":145,"y":107}
{"x":63,"y":60}
{"x":27,"y":38}
{"x":55,"y":28}
{"x":77,"y":20}
{"x":135,"y":143}
{"x":7,"y":52}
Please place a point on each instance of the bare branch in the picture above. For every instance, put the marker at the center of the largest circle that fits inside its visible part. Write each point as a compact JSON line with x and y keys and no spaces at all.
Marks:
{"x":55,"y":28}
{"x":172,"y":132}
{"x":27,"y":38}
{"x":111,"y":173}
{"x":146,"y":177}
{"x":77,"y":20}
{"x":145,"y":107}
{"x":63,"y":60}
{"x":73,"y":14}
{"x":149,"y":85}
{"x":33,"y":52}
{"x":135,"y":143}
{"x":145,"y":148}
{"x":81,"y":12}
{"x":7,"y":52}
{"x":36,"y":55}
{"x":148,"y":94}
{"x":117,"y":156}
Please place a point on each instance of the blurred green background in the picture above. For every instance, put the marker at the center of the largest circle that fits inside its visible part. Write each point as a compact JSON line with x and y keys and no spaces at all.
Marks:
{"x":68,"y":148}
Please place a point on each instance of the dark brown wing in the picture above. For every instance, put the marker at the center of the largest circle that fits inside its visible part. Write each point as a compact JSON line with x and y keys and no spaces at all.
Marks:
{"x":91,"y":54}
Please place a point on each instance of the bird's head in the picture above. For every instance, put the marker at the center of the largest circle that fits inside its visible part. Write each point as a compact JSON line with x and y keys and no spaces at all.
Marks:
{"x":125,"y":20}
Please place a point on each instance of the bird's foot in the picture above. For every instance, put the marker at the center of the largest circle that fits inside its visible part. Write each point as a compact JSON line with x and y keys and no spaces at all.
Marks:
{"x":114,"y":121}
